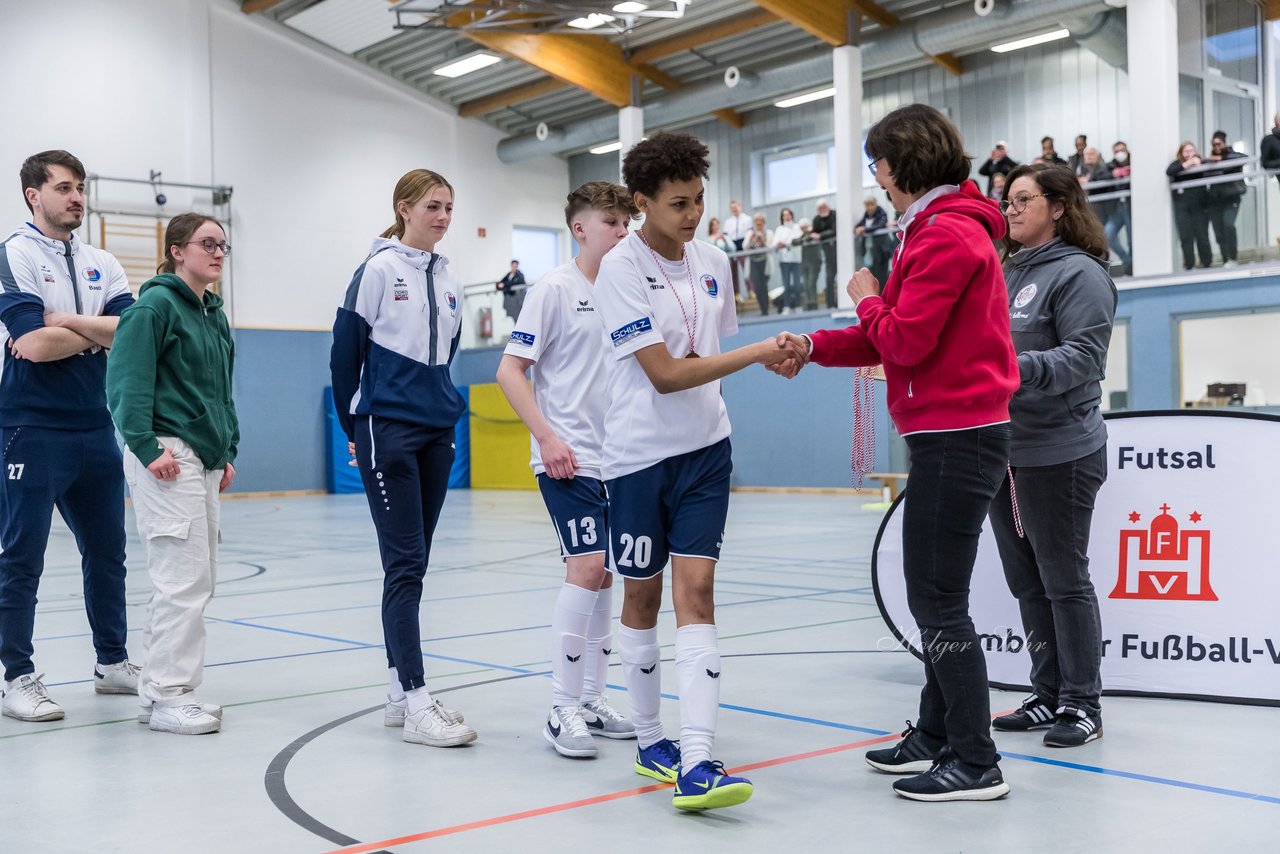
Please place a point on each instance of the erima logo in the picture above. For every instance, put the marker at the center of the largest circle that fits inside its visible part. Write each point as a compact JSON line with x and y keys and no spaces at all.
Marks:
{"x":525,"y":338}
{"x":585,"y":305}
{"x":650,"y":668}
{"x":714,"y":674}
{"x":633,"y":329}
{"x":573,"y":658}
{"x":606,"y":652}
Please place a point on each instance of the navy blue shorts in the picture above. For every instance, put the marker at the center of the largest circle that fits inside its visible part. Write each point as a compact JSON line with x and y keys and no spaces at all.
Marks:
{"x":675,"y":507}
{"x":577,"y":506}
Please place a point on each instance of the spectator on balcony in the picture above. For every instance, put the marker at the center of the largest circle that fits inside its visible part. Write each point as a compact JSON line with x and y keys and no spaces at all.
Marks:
{"x":1270,"y":148}
{"x":1224,"y":198}
{"x":996,"y":193}
{"x":512,"y":287}
{"x":871,"y":237}
{"x":736,"y":227}
{"x":810,"y":262}
{"x":999,"y":163}
{"x":1121,"y":217}
{"x":824,"y":232}
{"x":785,"y":237}
{"x":1093,"y":171}
{"x":1190,"y":207}
{"x":718,"y":238}
{"x":1047,"y":152}
{"x":1076,"y":161}
{"x":760,"y":237}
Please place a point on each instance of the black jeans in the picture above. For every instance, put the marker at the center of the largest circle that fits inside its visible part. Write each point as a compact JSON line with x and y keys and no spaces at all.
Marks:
{"x":953,"y":476}
{"x":1048,"y":573}
{"x":829,"y":273}
{"x":1222,"y":216}
{"x":760,"y":282}
{"x":1190,"y":212}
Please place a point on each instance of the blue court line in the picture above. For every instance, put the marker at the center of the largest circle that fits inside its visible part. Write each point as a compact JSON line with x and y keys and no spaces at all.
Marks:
{"x":1145,"y":778}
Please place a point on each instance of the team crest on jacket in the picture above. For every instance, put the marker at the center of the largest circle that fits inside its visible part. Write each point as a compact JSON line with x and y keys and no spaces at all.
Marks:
{"x":91,"y":274}
{"x":1025,"y":296}
{"x":452,"y":301}
{"x":709,"y":284}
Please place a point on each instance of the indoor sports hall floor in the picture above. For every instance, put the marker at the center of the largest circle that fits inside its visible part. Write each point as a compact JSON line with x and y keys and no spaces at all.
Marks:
{"x":304,"y":764}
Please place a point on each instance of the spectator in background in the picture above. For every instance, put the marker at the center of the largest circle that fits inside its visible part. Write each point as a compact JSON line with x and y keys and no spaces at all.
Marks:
{"x":871,"y":236}
{"x":1190,"y":207}
{"x":718,"y":238}
{"x":824,"y":231}
{"x":1224,"y":199}
{"x":785,"y":238}
{"x":1047,"y":152}
{"x":1092,"y":170}
{"x":1270,"y":148}
{"x":996,"y":193}
{"x":512,"y":288}
{"x":759,"y":238}
{"x":1076,"y":161}
{"x":1121,"y":216}
{"x":999,"y":163}
{"x":811,"y":263}
{"x":736,"y":227}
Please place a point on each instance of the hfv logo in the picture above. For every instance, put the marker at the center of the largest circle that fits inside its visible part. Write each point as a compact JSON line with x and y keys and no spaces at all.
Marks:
{"x":1164,"y":562}
{"x":650,"y":668}
{"x":573,"y":658}
{"x":714,"y":674}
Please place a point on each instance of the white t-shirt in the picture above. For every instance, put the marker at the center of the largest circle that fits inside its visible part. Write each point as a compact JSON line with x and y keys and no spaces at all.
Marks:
{"x":560,"y":331}
{"x":639,"y":307}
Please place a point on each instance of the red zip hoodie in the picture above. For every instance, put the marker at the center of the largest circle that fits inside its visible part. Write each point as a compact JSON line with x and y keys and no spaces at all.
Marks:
{"x":941,"y":324}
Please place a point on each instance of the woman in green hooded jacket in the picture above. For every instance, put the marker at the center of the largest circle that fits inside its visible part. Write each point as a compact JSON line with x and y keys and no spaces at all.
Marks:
{"x":169,"y":391}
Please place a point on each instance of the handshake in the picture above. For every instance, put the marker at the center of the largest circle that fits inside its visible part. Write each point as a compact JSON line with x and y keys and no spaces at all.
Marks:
{"x":784,"y":354}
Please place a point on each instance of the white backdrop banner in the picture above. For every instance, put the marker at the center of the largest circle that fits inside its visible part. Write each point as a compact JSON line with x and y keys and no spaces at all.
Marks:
{"x":1184,"y":554}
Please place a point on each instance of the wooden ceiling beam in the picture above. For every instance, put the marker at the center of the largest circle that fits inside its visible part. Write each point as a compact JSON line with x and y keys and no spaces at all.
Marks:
{"x":590,"y":62}
{"x":948,"y":61}
{"x":731,"y":117}
{"x":704,"y":35}
{"x":250,"y":7}
{"x":827,"y":19}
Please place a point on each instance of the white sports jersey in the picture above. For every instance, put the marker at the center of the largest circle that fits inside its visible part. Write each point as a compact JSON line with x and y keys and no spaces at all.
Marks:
{"x":560,"y":332}
{"x":642,"y":305}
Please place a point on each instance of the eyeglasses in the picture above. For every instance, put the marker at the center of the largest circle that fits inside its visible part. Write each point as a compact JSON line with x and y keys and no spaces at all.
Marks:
{"x":1019,"y":203}
{"x":874,"y":166}
{"x":210,"y":245}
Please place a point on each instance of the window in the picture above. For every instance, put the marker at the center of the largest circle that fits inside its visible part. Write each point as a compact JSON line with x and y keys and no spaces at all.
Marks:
{"x":537,"y":249}
{"x":1231,"y":39}
{"x":793,"y":174}
{"x":1227,"y":360}
{"x":1115,"y":385}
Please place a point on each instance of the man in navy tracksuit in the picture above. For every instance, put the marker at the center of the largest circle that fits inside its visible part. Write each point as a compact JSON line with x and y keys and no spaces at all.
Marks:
{"x":59,"y":303}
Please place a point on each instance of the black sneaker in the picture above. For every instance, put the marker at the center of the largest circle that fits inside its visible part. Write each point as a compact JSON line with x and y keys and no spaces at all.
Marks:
{"x":949,"y":779}
{"x":909,"y":756}
{"x":1034,"y":714}
{"x":1073,"y":728}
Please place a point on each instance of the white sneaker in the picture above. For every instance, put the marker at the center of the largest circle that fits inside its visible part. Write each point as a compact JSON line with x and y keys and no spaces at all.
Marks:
{"x":567,"y":733}
{"x":187,"y":719}
{"x":432,"y":728}
{"x":604,"y":720}
{"x":26,"y":700}
{"x":393,"y":714}
{"x":118,"y":678}
{"x":144,"y":713}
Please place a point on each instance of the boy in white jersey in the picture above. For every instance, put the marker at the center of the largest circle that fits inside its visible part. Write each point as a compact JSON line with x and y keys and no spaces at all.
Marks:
{"x":559,"y":336}
{"x":665,"y":300}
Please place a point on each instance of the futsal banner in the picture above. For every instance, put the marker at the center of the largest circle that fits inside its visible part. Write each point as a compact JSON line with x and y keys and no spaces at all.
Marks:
{"x":1184,"y":555}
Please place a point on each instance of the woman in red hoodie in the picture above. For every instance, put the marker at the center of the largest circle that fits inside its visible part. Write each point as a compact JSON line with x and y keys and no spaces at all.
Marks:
{"x":941,"y":330}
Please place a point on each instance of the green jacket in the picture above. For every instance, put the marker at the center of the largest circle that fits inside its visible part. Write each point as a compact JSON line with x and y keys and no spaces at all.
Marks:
{"x":169,"y":373}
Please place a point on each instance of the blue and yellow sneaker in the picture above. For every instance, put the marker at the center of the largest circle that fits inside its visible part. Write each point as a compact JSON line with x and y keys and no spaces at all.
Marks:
{"x":660,"y":760}
{"x":707,"y":786}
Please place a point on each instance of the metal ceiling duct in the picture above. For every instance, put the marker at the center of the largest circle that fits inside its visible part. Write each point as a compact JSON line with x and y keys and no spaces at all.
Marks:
{"x":954,"y":30}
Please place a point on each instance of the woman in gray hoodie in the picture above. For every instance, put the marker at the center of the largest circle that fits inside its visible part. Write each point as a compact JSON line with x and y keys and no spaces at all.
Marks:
{"x":1061,"y":310}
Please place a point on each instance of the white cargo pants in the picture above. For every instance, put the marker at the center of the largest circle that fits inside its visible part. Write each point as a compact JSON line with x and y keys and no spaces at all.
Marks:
{"x":178,"y":523}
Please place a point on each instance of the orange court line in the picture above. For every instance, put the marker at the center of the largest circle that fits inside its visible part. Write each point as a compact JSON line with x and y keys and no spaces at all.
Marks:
{"x":599,"y":799}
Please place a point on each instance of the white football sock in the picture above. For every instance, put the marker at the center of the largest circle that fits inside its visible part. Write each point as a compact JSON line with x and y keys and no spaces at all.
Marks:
{"x":419,"y":699}
{"x":569,"y":622}
{"x":642,"y":667}
{"x":698,"y":673}
{"x":599,"y":640}
{"x":395,"y":693}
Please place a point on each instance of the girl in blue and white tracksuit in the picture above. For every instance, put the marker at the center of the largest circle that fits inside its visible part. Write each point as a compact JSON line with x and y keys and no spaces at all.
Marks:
{"x":393,"y":340}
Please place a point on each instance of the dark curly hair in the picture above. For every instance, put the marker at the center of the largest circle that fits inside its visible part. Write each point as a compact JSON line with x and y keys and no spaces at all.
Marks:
{"x":1078,"y":226}
{"x":664,"y":157}
{"x":922,"y":148}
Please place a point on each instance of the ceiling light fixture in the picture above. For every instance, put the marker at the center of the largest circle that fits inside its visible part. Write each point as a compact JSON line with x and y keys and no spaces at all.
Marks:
{"x":606,"y":149}
{"x":590,"y":22}
{"x":474,"y":62}
{"x":630,"y":7}
{"x":805,"y":99}
{"x":1031,"y":41}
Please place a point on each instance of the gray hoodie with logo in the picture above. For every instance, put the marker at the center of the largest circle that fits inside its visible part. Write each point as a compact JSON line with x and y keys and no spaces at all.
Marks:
{"x":1062,"y":305}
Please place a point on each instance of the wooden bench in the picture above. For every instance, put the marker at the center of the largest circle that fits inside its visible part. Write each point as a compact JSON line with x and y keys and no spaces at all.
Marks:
{"x":893,"y":481}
